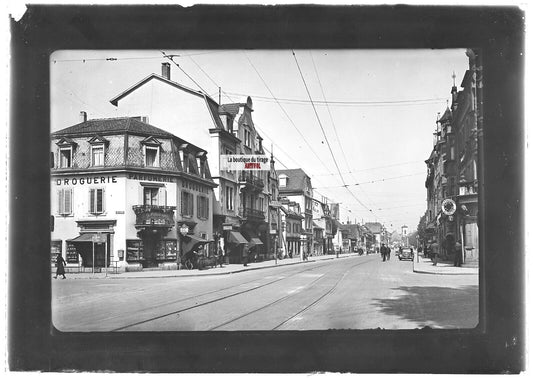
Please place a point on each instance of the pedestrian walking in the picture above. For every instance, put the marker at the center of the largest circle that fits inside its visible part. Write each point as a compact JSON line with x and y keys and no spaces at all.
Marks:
{"x":434,"y":251}
{"x":244,"y":256}
{"x":458,"y":261}
{"x":383,"y":251}
{"x":60,"y":266}
{"x":388,"y":252}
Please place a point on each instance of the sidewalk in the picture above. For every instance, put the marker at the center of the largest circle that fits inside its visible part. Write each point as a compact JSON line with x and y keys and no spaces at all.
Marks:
{"x":225,"y":270}
{"x":425,"y":266}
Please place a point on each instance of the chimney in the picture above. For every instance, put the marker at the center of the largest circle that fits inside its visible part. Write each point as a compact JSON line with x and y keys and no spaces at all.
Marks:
{"x":83,"y":116}
{"x":165,"y":70}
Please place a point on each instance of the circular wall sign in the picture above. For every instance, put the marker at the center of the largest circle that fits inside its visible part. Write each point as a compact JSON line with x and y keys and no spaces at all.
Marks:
{"x":448,"y":207}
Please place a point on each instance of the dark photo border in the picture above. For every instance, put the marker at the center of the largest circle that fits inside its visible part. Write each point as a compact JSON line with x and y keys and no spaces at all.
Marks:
{"x":495,"y":346}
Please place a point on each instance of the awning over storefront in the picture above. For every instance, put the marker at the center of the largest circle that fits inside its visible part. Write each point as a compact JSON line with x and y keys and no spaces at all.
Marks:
{"x":192,"y":241}
{"x":236,"y":237}
{"x":87,"y":237}
{"x":255,"y":241}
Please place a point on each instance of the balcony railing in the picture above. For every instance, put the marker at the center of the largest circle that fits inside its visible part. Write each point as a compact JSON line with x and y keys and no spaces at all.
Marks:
{"x":251,"y":181}
{"x":468,"y":188}
{"x":249,"y":213}
{"x":154,"y":215}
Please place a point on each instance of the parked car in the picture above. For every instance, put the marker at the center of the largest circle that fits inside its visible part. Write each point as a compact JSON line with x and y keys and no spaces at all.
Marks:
{"x":406,"y":253}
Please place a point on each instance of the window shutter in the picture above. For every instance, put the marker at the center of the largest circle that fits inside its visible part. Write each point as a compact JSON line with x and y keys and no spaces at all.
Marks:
{"x":68,"y":201}
{"x":60,"y":196}
{"x":163,"y":196}
{"x":103,"y":200}
{"x":91,"y":201}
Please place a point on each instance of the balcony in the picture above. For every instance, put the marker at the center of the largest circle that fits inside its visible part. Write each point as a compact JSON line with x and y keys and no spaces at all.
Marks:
{"x":251,"y":182}
{"x":251,"y":214}
{"x":154,"y":216}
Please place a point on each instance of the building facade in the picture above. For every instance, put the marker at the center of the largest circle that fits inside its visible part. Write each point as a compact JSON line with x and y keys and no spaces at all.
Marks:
{"x":242,"y":198}
{"x":122,"y":189}
{"x":452,"y":179}
{"x":295,"y":186}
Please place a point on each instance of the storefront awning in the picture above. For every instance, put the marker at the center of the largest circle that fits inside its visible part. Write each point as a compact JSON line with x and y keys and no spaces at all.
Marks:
{"x":192,"y":241}
{"x":255,"y":241}
{"x":85,"y":237}
{"x":236,"y":237}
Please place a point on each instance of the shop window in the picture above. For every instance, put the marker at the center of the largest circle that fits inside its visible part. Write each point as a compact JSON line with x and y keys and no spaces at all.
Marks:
{"x":96,"y":200}
{"x":72,"y":253}
{"x":134,"y":250}
{"x":187,"y":204}
{"x":97,"y":155}
{"x":202,"y":207}
{"x":65,"y":201}
{"x":65,"y":157}
{"x":167,"y":250}
{"x":229,"y":198}
{"x":55,"y":250}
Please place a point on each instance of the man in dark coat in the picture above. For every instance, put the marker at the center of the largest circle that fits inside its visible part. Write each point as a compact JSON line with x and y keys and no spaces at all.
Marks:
{"x":60,"y":266}
{"x":383,"y":251}
{"x":458,"y":260}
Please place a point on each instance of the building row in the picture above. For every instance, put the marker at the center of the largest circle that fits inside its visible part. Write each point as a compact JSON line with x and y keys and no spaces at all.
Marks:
{"x":452,"y":167}
{"x":146,"y":189}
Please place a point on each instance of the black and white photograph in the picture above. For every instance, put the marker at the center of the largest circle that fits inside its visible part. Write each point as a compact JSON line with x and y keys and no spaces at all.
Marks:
{"x":363,"y":213}
{"x":335,"y":189}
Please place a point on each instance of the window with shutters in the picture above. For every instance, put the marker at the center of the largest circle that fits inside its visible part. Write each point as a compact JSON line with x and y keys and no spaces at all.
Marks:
{"x":203,"y":207}
{"x":96,"y":200}
{"x":187,"y":204}
{"x":151,"y":196}
{"x":65,"y":201}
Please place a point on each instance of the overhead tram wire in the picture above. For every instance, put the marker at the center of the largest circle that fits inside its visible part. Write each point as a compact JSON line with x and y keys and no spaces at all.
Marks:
{"x":347,"y":103}
{"x":285,"y":112}
{"x":334,"y":126}
{"x":325,"y":136}
{"x":170,"y":57}
{"x":377,"y":180}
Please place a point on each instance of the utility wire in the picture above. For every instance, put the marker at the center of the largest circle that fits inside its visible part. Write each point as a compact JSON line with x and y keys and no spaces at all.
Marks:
{"x":377,"y":180}
{"x":373,"y":168}
{"x":335,"y":103}
{"x":286,"y":114}
{"x":171,"y":58}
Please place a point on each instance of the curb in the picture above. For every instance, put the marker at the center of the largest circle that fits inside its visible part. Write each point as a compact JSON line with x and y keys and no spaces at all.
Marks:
{"x":117,"y":276}
{"x":444,"y":273}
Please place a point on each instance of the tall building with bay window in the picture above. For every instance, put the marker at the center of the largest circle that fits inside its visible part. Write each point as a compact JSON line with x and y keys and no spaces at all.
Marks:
{"x":241,"y":208}
{"x":452,"y":167}
{"x":122,"y":190}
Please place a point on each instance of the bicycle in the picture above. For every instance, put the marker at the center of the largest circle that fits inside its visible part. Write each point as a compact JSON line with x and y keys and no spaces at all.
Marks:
{"x":188,"y":264}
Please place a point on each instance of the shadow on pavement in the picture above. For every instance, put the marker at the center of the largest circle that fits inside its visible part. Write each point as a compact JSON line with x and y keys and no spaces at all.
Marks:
{"x":438,"y":307}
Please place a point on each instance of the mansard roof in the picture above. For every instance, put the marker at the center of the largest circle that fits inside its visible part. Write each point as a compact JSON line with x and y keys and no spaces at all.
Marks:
{"x":112,"y":126}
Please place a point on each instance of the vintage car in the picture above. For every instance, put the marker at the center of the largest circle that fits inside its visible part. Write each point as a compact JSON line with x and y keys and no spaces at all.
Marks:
{"x":406,"y":253}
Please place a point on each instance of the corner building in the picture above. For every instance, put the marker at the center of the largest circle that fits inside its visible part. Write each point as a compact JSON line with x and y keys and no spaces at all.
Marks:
{"x":121,"y":191}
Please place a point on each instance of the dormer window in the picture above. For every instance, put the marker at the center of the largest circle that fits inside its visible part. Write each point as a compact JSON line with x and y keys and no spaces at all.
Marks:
{"x":97,"y":154}
{"x":151,"y":152}
{"x":65,"y":157}
{"x":283,"y":180}
{"x":98,"y":145}
{"x":66,"y":150}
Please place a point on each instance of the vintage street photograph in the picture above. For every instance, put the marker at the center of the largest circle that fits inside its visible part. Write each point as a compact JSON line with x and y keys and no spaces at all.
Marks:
{"x":265,"y":190}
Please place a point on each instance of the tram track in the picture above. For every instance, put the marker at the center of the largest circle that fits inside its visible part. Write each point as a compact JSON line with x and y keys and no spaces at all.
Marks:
{"x":204,"y":303}
{"x":234,"y":294}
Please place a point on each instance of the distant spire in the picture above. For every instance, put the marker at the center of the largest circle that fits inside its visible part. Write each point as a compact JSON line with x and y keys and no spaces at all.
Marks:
{"x":453,"y":76}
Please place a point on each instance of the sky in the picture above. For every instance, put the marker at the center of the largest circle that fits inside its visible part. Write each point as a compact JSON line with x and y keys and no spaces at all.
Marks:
{"x":360,"y":123}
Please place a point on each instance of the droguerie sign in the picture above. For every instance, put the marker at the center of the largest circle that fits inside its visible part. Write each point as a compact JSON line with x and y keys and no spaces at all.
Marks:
{"x":86,"y":180}
{"x":244,"y":162}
